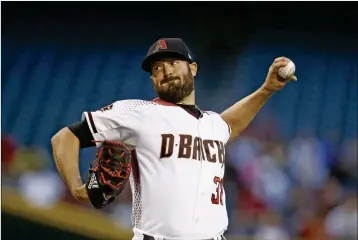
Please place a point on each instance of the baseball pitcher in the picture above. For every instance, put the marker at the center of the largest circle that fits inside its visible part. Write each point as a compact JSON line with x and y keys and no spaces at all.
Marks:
{"x":170,"y":151}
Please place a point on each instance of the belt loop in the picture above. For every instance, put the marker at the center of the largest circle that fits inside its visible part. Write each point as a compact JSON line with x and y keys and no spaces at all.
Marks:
{"x":220,"y":237}
{"x":146,"y":237}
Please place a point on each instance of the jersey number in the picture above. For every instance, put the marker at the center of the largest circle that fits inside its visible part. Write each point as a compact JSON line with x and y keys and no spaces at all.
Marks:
{"x":218,"y":196}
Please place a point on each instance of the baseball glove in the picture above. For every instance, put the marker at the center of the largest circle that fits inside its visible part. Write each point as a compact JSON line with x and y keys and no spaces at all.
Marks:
{"x":109,"y":173}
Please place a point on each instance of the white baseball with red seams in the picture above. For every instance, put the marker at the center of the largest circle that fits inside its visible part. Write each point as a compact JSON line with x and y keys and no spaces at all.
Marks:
{"x":288,"y":71}
{"x":177,"y":168}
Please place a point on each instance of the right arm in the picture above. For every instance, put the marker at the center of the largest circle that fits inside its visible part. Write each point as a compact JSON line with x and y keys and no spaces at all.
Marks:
{"x":66,"y":145}
{"x":119,"y":122}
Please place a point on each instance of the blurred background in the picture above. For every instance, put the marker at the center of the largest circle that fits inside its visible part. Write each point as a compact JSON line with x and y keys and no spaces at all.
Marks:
{"x":291,"y":175}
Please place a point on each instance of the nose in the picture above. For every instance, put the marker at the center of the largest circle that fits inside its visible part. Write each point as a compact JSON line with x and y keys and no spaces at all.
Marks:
{"x":168,"y":71}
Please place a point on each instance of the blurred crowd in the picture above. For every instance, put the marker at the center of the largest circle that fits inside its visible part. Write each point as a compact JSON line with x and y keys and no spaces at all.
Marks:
{"x":305,"y":188}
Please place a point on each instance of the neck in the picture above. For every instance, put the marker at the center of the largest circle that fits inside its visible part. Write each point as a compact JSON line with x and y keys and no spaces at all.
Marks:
{"x":188,"y":100}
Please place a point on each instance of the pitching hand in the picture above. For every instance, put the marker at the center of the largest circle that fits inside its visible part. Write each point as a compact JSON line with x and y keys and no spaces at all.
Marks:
{"x":275,"y":82}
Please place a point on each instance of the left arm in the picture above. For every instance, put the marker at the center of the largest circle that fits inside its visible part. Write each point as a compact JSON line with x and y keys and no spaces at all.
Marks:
{"x":240,"y":115}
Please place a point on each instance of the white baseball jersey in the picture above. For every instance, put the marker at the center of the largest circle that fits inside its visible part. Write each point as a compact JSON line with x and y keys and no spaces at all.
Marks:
{"x":178,"y":166}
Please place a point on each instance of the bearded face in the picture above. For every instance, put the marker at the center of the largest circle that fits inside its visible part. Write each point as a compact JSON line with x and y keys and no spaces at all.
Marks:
{"x":173,"y":79}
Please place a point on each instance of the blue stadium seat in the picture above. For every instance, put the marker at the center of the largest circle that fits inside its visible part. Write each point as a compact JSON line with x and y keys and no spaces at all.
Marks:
{"x":335,"y":97}
{"x":106,"y":91}
{"x":14,"y":89}
{"x":49,"y":86}
{"x":350,"y":123}
{"x":56,"y":103}
{"x":84,"y":83}
{"x":26,"y":120}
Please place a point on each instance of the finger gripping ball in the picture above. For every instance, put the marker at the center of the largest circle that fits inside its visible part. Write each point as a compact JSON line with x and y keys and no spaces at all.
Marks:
{"x":288,"y":71}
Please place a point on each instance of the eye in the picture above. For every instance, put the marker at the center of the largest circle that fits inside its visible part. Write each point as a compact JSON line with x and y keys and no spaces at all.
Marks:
{"x":175,"y":62}
{"x":156,"y":68}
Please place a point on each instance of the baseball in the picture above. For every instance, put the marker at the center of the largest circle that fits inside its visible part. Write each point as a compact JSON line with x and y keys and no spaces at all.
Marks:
{"x":288,"y":71}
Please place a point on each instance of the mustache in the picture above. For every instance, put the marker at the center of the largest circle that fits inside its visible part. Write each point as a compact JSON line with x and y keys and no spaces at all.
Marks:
{"x":168,"y":79}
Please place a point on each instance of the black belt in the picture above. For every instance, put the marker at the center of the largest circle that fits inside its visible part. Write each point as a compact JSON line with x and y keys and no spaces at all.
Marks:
{"x":146,"y":237}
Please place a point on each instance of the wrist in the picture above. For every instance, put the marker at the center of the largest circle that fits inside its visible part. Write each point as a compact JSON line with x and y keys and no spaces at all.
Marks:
{"x":266,"y":91}
{"x":76,"y":185}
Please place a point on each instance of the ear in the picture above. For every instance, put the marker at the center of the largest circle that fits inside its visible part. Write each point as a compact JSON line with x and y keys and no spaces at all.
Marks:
{"x":193,"y":68}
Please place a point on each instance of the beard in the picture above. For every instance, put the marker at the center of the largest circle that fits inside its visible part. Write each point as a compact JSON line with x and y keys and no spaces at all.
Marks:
{"x":173,"y":89}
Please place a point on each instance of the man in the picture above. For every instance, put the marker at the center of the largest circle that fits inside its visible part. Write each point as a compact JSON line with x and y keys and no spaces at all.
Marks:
{"x":177,"y":174}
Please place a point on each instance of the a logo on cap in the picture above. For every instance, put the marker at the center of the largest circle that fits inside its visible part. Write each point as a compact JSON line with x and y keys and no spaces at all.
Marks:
{"x":160,"y":45}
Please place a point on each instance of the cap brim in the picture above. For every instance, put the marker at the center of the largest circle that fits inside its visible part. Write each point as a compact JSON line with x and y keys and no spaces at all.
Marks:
{"x":147,"y":62}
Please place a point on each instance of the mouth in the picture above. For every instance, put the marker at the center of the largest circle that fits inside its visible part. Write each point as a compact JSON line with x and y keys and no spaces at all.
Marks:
{"x":170,"y":80}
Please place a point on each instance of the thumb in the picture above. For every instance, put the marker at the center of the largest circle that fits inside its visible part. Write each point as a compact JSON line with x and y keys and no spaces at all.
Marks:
{"x":293,"y":78}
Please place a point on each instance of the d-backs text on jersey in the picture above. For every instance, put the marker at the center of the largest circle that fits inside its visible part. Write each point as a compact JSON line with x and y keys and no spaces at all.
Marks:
{"x":192,"y":148}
